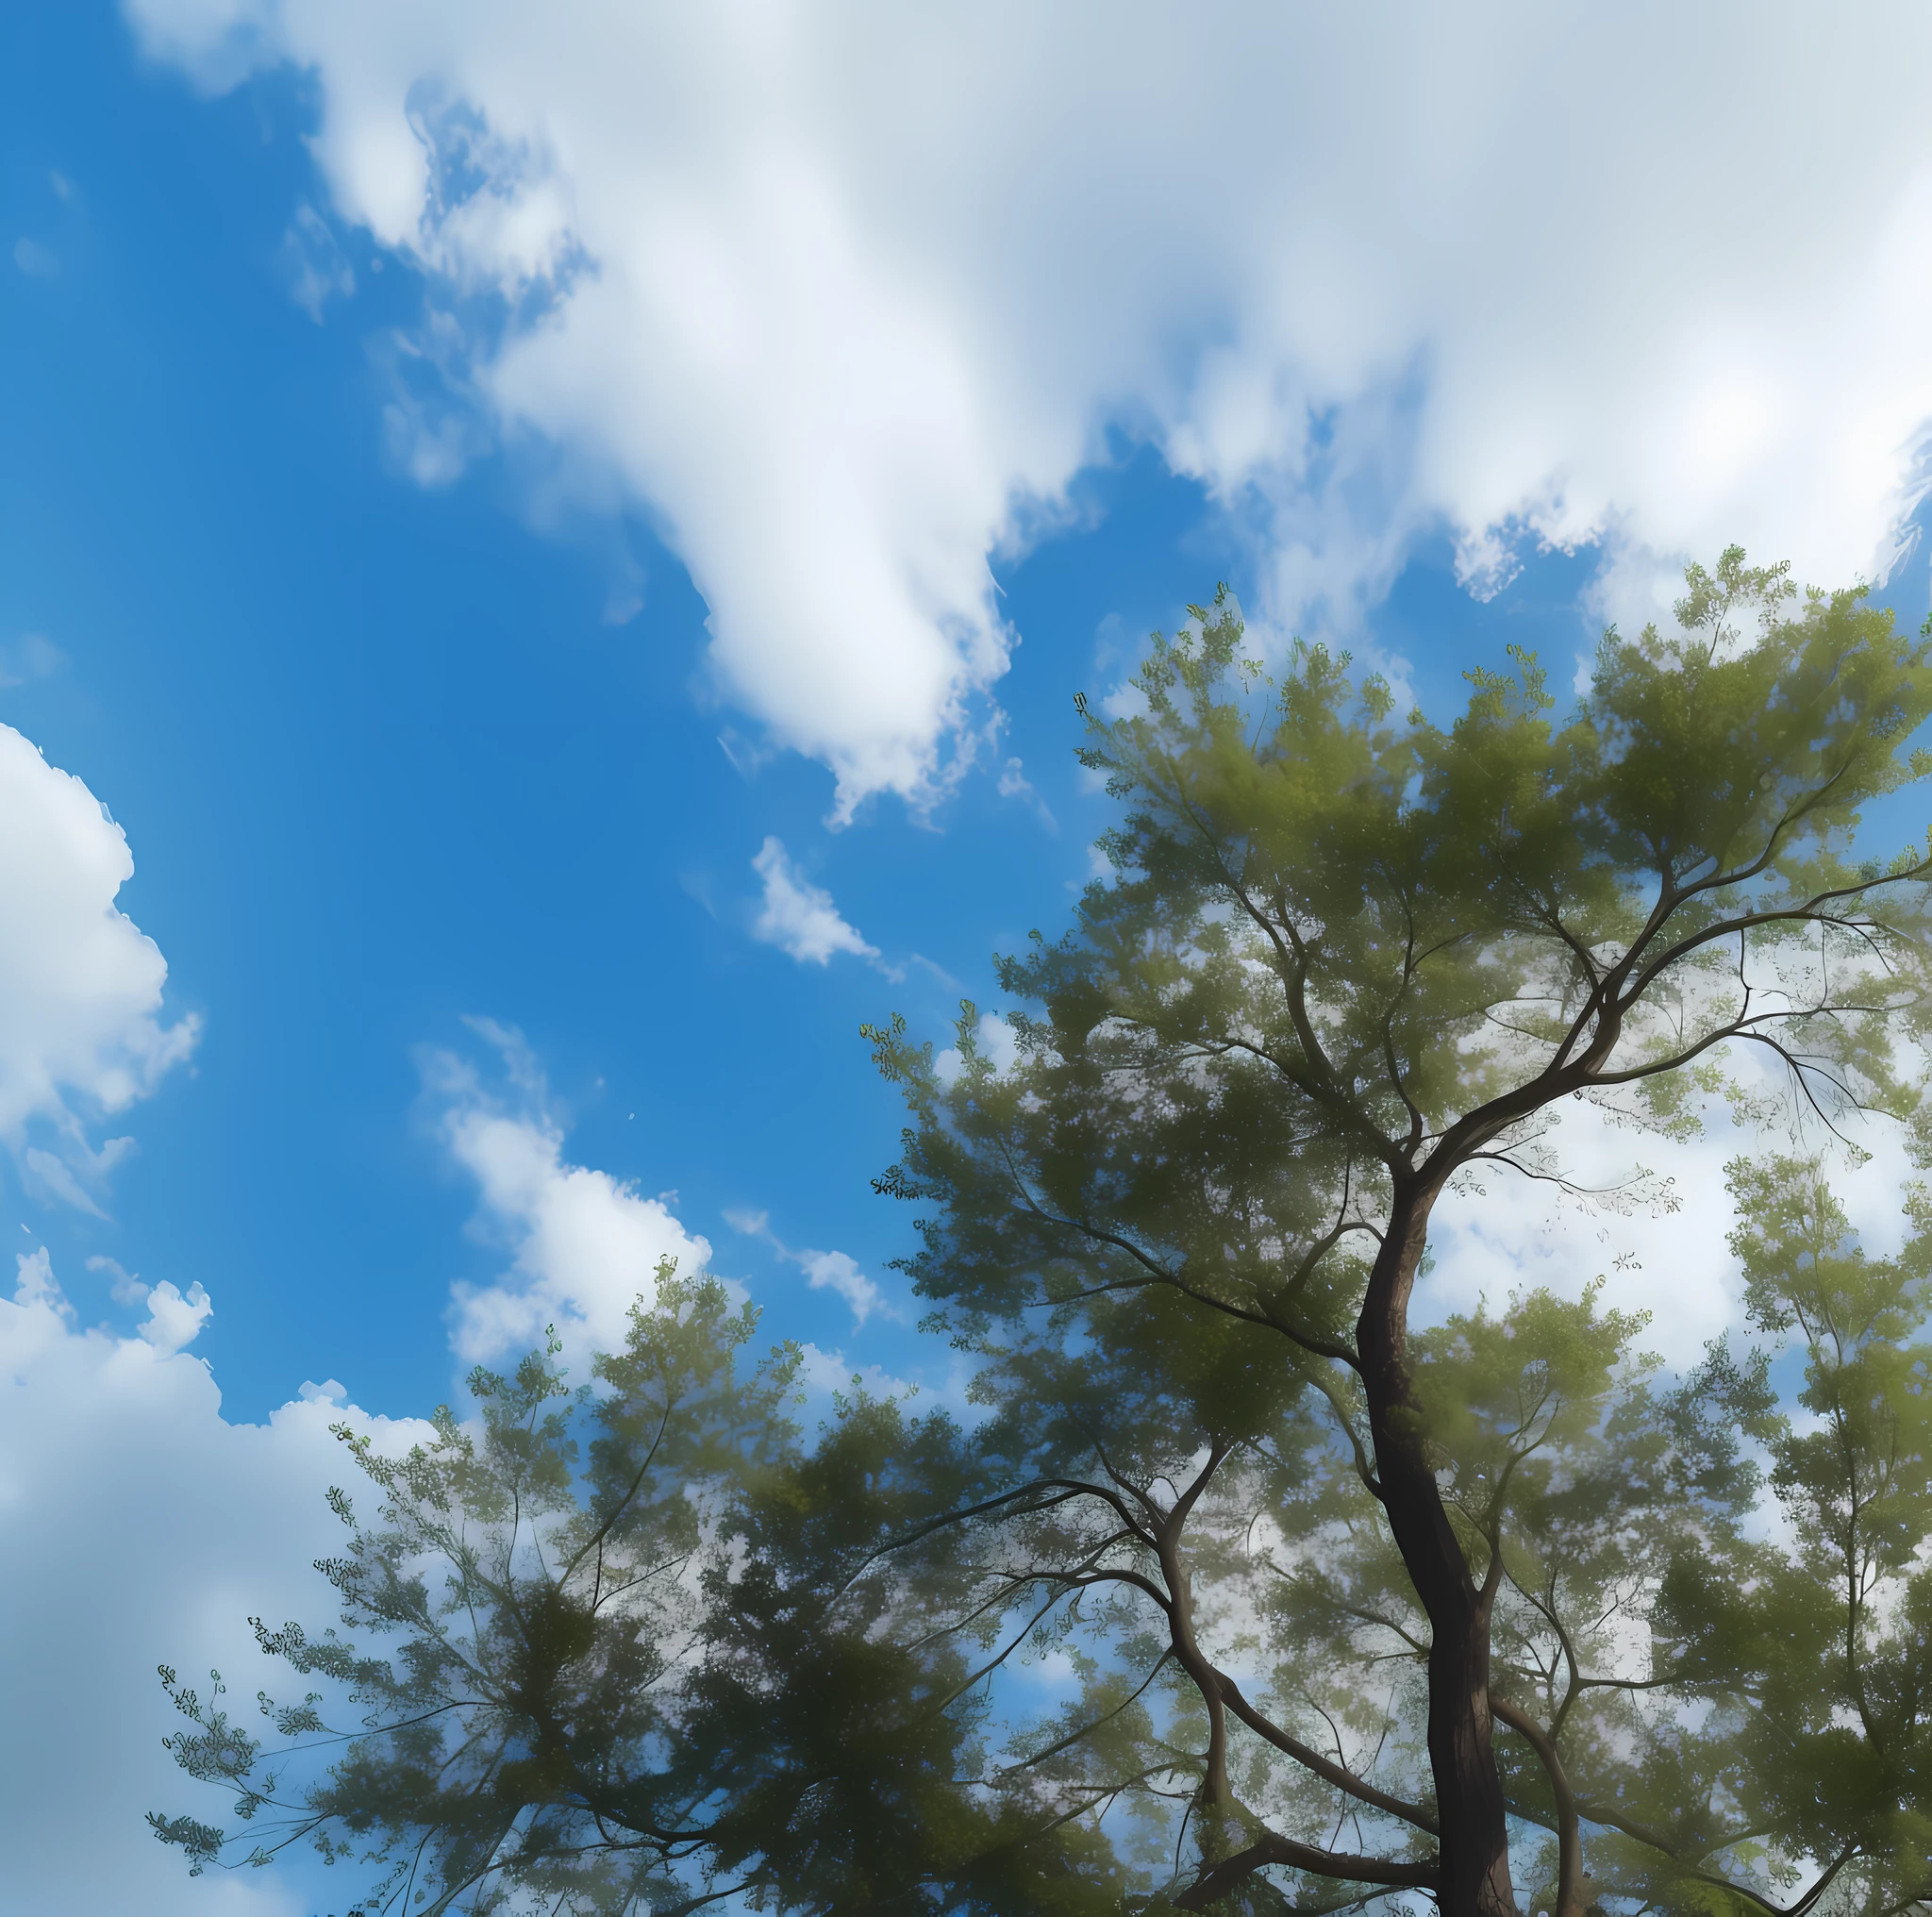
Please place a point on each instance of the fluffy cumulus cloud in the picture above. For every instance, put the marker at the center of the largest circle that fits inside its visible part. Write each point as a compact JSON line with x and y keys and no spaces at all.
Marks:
{"x":582,"y":1244}
{"x":138,"y":1527}
{"x":81,"y":1031}
{"x":847,"y":295}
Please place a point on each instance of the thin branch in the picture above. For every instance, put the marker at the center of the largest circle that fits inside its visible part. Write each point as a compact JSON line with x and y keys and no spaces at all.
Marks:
{"x":1342,"y":1778}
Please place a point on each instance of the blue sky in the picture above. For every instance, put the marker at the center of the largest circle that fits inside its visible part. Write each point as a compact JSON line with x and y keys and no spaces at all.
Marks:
{"x":387,"y":761}
{"x":455,"y":512}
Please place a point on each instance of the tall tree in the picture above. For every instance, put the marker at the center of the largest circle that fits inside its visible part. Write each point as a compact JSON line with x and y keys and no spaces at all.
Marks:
{"x":1335,"y":1608}
{"x":1342,"y":963}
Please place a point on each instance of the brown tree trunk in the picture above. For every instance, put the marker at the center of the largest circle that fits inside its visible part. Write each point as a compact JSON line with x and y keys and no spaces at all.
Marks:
{"x":1468,"y":1794}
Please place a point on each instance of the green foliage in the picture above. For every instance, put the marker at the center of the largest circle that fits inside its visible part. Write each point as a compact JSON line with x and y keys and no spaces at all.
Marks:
{"x":1341,"y":966}
{"x":1312,"y":1607}
{"x":1812,"y":1645}
{"x":613,"y":1650}
{"x":524,"y":1612}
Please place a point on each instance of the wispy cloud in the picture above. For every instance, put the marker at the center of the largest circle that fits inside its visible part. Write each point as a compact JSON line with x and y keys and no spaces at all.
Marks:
{"x":317,"y":269}
{"x":800,"y":918}
{"x":1013,"y":783}
{"x":124,"y":1286}
{"x":32,"y":656}
{"x":824,"y":1270}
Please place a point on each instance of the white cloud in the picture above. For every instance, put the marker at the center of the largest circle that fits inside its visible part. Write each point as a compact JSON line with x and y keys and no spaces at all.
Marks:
{"x":174,"y":1322}
{"x":1014,"y":784}
{"x":136,"y":1527}
{"x":799,"y":917}
{"x":1516,"y":1234}
{"x":847,"y":295}
{"x":80,"y":986}
{"x":1669,"y":1260}
{"x":825,"y":1372}
{"x":583,"y":1246}
{"x":837,"y":1271}
{"x":825,"y":1271}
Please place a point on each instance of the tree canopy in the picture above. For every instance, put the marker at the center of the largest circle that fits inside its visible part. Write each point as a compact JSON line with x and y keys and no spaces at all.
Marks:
{"x":1343,"y":1606}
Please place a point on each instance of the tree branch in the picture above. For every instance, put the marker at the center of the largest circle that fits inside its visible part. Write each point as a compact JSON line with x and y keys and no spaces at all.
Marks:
{"x":1269,"y":1849}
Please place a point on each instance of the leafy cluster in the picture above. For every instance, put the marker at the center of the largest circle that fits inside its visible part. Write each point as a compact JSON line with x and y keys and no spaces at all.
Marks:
{"x":612,"y":1651}
{"x":524,"y":1609}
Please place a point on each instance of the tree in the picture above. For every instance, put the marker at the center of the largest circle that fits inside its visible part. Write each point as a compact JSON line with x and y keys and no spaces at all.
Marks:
{"x":608,"y":1656}
{"x":1340,"y":1608}
{"x":523,"y":1727}
{"x":1342,"y":964}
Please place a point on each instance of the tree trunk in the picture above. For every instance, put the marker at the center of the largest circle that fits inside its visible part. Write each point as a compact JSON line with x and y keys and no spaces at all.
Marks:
{"x":1468,"y":1794}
